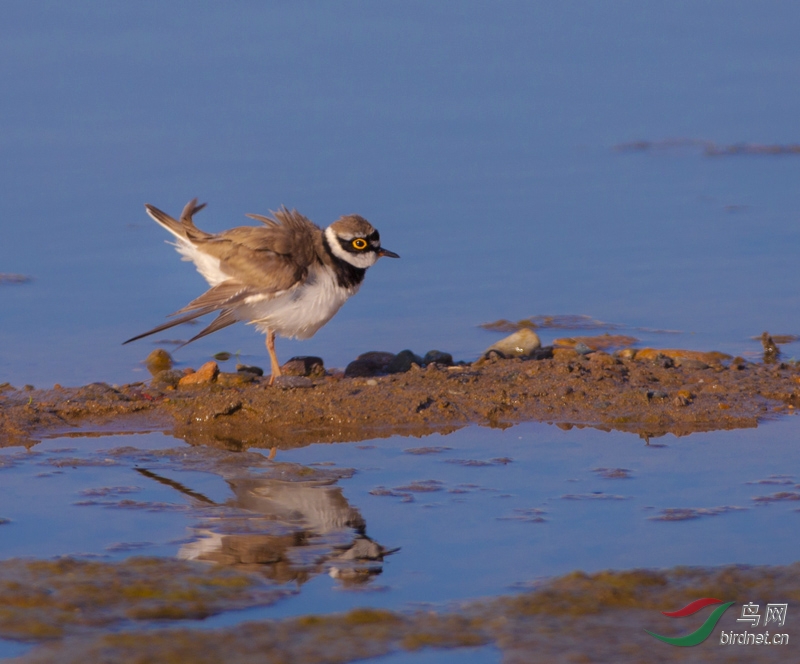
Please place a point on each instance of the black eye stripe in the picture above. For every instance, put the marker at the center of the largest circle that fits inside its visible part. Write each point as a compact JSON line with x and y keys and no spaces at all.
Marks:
{"x":347,"y":245}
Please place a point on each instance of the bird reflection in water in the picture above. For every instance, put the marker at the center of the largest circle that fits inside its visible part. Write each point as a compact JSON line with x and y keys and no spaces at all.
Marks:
{"x":290,"y":531}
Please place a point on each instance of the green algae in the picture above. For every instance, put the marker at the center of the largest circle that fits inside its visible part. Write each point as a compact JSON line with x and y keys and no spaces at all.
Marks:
{"x":579,"y":617}
{"x":41,"y":599}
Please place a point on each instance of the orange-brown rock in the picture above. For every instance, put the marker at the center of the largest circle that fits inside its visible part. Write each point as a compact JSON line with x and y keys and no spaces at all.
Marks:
{"x":709,"y":357}
{"x":598,"y":342}
{"x":602,"y":358}
{"x":565,"y":354}
{"x":206,"y":374}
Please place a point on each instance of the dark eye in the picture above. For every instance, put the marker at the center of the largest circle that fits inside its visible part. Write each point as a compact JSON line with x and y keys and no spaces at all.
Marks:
{"x":359,"y":243}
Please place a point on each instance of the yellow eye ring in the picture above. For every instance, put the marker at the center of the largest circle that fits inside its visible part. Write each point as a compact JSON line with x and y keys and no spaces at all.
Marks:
{"x":359,"y":243}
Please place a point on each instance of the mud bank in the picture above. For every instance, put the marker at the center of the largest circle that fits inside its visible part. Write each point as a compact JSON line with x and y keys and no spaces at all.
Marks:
{"x":655,"y":393}
{"x":575,"y":618}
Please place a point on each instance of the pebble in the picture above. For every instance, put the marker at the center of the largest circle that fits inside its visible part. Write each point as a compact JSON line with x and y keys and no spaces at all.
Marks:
{"x":237,"y":379}
{"x":377,"y":363}
{"x":738,"y":363}
{"x":565,"y":354}
{"x":246,"y":368}
{"x":158,"y":360}
{"x":168,"y":378}
{"x":691,"y":364}
{"x":520,"y":344}
{"x":206,"y":374}
{"x":304,"y":366}
{"x":438,"y":357}
{"x":291,"y":382}
{"x":602,"y":358}
{"x":379,"y":357}
{"x":543,"y":353}
{"x":373,"y":363}
{"x":403,"y":361}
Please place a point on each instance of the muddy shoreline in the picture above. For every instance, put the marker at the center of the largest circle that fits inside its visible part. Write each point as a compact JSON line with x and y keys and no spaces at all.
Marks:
{"x":647,"y":392}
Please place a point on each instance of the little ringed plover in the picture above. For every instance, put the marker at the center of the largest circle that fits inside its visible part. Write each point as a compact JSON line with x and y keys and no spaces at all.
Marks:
{"x":288,"y":277}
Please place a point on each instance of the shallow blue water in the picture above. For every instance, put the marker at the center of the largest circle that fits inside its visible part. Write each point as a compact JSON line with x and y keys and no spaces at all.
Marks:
{"x":510,"y":508}
{"x":478,"y":138}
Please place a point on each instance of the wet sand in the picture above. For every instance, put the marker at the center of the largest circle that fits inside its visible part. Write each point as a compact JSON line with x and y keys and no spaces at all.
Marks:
{"x":658,"y":392}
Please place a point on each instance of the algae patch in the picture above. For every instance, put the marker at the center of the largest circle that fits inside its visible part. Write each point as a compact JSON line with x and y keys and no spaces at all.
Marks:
{"x":575,"y":618}
{"x":43,"y":599}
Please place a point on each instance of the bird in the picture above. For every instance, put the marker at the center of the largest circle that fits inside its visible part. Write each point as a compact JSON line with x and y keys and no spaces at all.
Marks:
{"x":287,"y":277}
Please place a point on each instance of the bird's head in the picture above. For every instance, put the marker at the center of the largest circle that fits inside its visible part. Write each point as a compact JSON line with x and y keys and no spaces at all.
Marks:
{"x":355,"y":241}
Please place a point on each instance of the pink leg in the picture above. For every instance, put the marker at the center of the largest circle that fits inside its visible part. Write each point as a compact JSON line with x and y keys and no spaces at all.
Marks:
{"x":273,"y":359}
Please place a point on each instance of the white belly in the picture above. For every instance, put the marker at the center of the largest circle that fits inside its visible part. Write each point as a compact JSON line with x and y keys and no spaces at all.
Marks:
{"x":300,"y":311}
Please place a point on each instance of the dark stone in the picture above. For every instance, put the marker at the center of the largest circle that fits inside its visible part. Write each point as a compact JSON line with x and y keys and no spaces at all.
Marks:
{"x":402,"y":362}
{"x":438,"y":357}
{"x":543,"y":353}
{"x":362,"y":369}
{"x":738,"y":363}
{"x":373,"y":363}
{"x":304,"y":366}
{"x":380,"y":358}
{"x":246,"y":368}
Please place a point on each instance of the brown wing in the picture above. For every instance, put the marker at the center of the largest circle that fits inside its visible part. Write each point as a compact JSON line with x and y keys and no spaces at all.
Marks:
{"x":268,"y":258}
{"x":260,"y":260}
{"x":223,"y":298}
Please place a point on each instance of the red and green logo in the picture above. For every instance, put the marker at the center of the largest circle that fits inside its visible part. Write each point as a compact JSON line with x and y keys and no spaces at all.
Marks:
{"x":702,"y":632}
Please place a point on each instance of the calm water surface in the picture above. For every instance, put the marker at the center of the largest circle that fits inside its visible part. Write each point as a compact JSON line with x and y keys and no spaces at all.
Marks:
{"x":478,"y":138}
{"x":481,"y":513}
